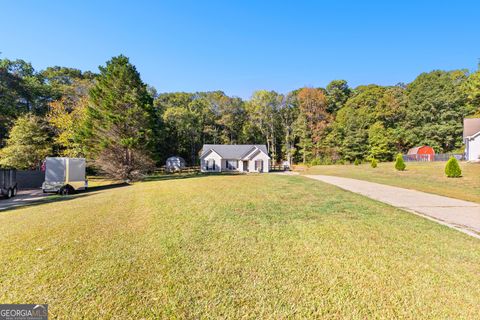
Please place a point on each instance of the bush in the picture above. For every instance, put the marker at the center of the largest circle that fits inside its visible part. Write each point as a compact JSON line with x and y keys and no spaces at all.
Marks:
{"x":315,"y":162}
{"x":373,"y":163}
{"x":116,"y":164}
{"x":452,"y":169}
{"x":399,"y":164}
{"x":321,"y":161}
{"x":357,"y":162}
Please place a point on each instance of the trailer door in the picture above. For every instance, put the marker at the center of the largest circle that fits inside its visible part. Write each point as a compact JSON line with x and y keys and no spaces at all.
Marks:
{"x":55,"y":170}
{"x":76,"y":173}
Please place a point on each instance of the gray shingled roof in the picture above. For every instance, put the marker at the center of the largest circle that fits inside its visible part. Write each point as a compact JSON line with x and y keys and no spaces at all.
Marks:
{"x":471,"y":127}
{"x":232,"y":151}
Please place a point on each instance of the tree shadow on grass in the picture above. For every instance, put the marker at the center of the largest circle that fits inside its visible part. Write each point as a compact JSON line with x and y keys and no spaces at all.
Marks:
{"x":105,"y":187}
{"x":42,"y":200}
{"x":28,"y":202}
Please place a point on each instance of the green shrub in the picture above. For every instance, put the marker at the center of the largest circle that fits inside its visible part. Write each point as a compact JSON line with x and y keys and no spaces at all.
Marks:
{"x":321,"y":161}
{"x":315,"y":162}
{"x":399,"y":163}
{"x":452,"y":169}
{"x":373,"y":163}
{"x":357,"y":162}
{"x":327,"y":161}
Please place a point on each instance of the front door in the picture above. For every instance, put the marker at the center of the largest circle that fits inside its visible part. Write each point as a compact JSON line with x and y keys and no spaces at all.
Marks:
{"x":245,"y":166}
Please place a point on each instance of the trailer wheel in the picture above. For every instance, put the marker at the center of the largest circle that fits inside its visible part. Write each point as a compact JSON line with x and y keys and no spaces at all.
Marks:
{"x":9,"y":193}
{"x":66,"y":190}
{"x":14,"y":193}
{"x":63,"y":191}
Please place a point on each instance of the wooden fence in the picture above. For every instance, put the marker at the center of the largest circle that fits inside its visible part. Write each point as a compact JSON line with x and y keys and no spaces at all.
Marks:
{"x":428,"y":157}
{"x":279,"y":167}
{"x":163,"y":170}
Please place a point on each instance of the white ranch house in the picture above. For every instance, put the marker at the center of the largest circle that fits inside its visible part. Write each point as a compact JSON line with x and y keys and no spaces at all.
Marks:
{"x":471,"y":138}
{"x":234,"y":157}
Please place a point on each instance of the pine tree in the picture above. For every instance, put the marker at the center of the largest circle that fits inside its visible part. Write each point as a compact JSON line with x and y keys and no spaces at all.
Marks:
{"x":452,"y":168}
{"x":120,"y":121}
{"x":399,"y":163}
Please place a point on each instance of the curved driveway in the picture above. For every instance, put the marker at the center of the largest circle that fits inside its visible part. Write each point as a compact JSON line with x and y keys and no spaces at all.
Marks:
{"x":458,"y":214}
{"x":24,"y":197}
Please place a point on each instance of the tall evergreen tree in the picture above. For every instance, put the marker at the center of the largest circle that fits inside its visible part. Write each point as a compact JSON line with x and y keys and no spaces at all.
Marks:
{"x":120,"y":121}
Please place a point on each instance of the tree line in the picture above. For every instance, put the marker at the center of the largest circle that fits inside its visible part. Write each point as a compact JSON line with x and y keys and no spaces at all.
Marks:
{"x":125,"y":127}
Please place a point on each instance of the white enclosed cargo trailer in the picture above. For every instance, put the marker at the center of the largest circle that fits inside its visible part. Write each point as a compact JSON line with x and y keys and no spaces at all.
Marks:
{"x":64,"y":175}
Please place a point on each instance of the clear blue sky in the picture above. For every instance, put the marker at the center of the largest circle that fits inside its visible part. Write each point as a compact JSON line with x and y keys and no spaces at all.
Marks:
{"x":242,"y":46}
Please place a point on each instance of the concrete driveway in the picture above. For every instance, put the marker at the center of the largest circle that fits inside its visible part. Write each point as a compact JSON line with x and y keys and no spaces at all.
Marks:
{"x":458,"y":214}
{"x":23,"y":197}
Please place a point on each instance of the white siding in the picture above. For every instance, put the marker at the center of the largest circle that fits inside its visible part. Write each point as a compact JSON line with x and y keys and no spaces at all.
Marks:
{"x":221,"y":164}
{"x":473,"y":149}
{"x":211,"y":156}
{"x":237,"y":162}
{"x":259,"y":156}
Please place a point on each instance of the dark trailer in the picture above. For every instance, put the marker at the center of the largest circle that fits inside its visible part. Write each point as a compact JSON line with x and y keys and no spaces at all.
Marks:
{"x":8,"y":182}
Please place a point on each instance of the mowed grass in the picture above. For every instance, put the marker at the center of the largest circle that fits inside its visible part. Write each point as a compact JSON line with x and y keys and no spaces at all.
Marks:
{"x":422,"y":176}
{"x":256,"y":246}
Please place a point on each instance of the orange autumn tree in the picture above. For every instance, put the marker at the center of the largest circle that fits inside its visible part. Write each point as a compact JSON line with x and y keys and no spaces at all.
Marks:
{"x":314,"y":119}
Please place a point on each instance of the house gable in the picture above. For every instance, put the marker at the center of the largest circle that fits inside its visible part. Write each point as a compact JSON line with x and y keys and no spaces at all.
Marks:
{"x":254,"y":152}
{"x":208,"y":152}
{"x":249,"y":152}
{"x":471,"y":127}
{"x":473,"y":137}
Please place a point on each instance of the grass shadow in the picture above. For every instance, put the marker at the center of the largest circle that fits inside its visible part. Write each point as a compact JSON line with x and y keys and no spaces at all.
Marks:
{"x":105,"y":187}
{"x":23,"y":203}
{"x":43,"y":200}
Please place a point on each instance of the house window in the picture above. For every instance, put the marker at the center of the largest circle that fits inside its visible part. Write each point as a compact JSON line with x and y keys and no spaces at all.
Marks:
{"x":232,"y":164}
{"x":259,"y":165}
{"x":211,"y":164}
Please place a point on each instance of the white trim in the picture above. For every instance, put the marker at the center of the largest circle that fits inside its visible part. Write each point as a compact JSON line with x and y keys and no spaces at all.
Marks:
{"x":208,"y":152}
{"x":472,"y":136}
{"x":253,"y":152}
{"x":249,"y":152}
{"x":247,"y":156}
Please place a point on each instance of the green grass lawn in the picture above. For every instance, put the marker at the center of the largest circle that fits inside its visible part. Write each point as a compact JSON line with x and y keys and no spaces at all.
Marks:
{"x":422,"y":176}
{"x":256,"y":246}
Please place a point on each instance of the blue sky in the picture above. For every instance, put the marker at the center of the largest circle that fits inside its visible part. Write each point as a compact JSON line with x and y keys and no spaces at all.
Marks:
{"x":241,"y":46}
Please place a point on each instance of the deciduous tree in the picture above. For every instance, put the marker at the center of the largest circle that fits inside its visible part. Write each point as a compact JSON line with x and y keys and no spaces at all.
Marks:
{"x":437,"y":105}
{"x":28,"y":144}
{"x":313,"y":109}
